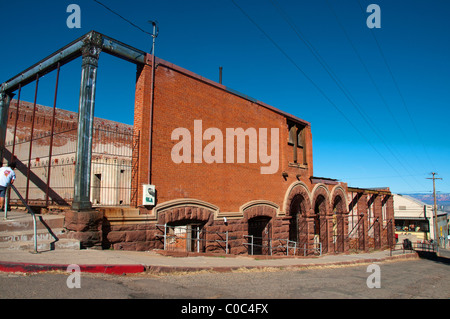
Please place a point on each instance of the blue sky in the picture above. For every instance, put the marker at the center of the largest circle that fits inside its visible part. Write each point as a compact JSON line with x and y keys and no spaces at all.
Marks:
{"x":385,"y":124}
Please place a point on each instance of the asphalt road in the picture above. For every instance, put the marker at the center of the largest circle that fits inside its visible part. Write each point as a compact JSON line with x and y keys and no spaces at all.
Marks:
{"x":398,"y":280}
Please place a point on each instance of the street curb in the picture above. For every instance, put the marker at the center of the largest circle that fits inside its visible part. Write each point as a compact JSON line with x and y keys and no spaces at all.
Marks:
{"x":181,"y":269}
{"x":154,"y":269}
{"x":103,"y":269}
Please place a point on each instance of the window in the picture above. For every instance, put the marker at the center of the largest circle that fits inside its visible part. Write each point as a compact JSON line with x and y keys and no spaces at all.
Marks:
{"x":412,"y":225}
{"x":297,"y":141}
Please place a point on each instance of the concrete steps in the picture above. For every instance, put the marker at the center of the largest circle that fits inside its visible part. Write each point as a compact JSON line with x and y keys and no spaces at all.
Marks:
{"x":17,"y":232}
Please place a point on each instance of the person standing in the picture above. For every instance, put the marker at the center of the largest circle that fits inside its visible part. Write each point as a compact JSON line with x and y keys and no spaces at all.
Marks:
{"x":7,"y":177}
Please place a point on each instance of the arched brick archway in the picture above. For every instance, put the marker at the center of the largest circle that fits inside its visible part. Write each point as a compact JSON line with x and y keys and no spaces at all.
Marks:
{"x":185,"y":209}
{"x":298,"y":210}
{"x":259,"y":217}
{"x":186,"y":221}
{"x":321,"y":211}
{"x":259,"y":210}
{"x":294,"y":190}
{"x":339,"y":220}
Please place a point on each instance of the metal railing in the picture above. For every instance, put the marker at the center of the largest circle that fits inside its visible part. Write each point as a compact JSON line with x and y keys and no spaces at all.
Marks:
{"x":30,"y":211}
{"x":408,"y":246}
{"x":289,"y":244}
{"x":252,"y":244}
{"x":171,"y":238}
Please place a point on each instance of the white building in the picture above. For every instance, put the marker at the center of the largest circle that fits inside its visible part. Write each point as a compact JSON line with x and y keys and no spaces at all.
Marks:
{"x":414,"y":219}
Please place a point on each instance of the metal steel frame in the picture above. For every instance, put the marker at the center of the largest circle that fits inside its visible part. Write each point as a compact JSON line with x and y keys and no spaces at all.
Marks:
{"x":89,"y":48}
{"x":71,"y":52}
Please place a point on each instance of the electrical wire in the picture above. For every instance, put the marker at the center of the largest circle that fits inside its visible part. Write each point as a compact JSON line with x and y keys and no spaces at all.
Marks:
{"x":397,"y":88}
{"x":316,"y":86}
{"x":338,"y":82}
{"x":123,"y":18}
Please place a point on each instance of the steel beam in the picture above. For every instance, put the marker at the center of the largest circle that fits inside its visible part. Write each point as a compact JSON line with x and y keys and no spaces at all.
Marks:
{"x":69,"y":53}
{"x":50,"y":63}
{"x":88,"y":47}
{"x":123,"y":51}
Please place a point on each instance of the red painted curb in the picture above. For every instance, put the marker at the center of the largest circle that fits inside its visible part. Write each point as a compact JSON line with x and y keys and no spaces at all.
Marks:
{"x":104,"y":269}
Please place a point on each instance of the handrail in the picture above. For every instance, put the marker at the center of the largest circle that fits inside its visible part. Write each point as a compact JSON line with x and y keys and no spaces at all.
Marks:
{"x":271,"y":246}
{"x":29,"y":211}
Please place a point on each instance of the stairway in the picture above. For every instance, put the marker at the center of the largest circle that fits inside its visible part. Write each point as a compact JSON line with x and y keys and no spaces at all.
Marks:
{"x":17,"y":232}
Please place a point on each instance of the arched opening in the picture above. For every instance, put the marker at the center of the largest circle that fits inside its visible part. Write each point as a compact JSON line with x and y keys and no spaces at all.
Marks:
{"x":338,"y":224}
{"x":320,"y":223}
{"x":260,"y":235}
{"x":298,"y":230}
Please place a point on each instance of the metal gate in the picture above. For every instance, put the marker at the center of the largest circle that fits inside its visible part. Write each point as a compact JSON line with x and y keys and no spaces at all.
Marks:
{"x":44,"y":149}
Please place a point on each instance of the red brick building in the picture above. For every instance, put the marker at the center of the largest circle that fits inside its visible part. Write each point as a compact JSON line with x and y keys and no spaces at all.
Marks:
{"x":230,"y":174}
{"x":287,"y":204}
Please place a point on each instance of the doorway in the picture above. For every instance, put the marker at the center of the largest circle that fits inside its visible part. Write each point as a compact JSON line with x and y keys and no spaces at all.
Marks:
{"x":186,"y":236}
{"x":260,"y":231}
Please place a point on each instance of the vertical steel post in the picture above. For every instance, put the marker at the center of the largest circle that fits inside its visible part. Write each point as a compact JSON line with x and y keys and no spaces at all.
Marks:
{"x":287,"y":247}
{"x":31,"y":138}
{"x":35,"y":233}
{"x":165,"y":236}
{"x":5,"y":100}
{"x":198,"y":239}
{"x":15,"y":124}
{"x":226,"y":243}
{"x":152,"y":100}
{"x":82,"y":182}
{"x":6,"y":203}
{"x":51,"y":136}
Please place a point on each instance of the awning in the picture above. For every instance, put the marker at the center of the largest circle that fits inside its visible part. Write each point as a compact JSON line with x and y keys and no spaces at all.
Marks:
{"x":411,"y":218}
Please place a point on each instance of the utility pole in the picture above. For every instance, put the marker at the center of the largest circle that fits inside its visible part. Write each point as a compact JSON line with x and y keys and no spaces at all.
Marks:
{"x":152,"y":98}
{"x":436,"y":235}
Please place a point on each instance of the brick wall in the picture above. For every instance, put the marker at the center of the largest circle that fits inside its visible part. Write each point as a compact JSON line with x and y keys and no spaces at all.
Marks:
{"x":238,"y":191}
{"x":180,"y":99}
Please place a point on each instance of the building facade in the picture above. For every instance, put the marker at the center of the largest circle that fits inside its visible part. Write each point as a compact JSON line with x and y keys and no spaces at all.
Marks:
{"x":212,"y":170}
{"x":415,"y":220}
{"x":204,"y":195}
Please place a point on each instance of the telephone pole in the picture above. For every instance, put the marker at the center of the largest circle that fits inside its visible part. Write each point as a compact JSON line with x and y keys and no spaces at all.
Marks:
{"x":436,"y":235}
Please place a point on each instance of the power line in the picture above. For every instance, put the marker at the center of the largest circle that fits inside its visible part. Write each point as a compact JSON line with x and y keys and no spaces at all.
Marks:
{"x":377,"y":177}
{"x":338,"y":82}
{"x":314,"y":84}
{"x":397,"y":88}
{"x":371,"y":77}
{"x":123,"y":18}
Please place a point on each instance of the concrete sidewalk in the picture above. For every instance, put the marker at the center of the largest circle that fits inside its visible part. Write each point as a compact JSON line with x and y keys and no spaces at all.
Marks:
{"x":122,"y":262}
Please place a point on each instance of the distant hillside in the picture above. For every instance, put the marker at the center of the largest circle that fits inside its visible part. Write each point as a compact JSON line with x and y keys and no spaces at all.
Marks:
{"x":441,"y":199}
